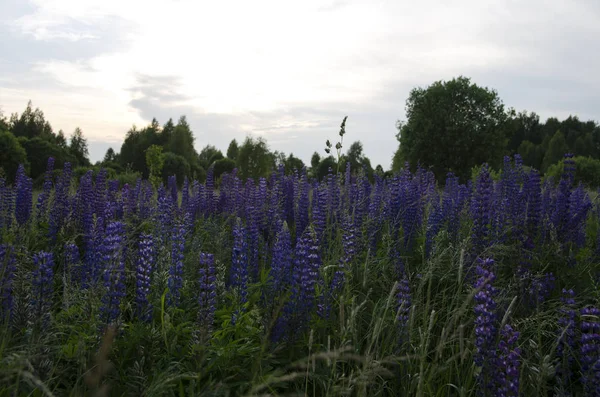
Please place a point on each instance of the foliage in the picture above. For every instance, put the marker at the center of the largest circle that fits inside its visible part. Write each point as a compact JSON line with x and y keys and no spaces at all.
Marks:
{"x":78,"y":147}
{"x":233,"y":150}
{"x":155,"y":162}
{"x":587,"y":171}
{"x":453,"y":126}
{"x":222,"y":166}
{"x":177,"y":165}
{"x":11,"y":154}
{"x":254,"y":159}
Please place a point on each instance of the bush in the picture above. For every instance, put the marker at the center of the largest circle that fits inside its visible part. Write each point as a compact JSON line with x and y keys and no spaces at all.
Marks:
{"x":175,"y":165}
{"x":587,"y":171}
{"x":11,"y":155}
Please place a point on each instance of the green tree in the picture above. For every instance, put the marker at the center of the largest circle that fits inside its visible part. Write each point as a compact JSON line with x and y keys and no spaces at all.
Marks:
{"x":175,"y":165}
{"x":292,"y":163}
{"x":208,"y":155}
{"x":557,"y":148}
{"x":109,"y":156}
{"x":39,"y":150}
{"x":79,"y":147}
{"x":222,"y":166}
{"x":30,"y":124}
{"x":155,"y":161}
{"x":254,"y":158}
{"x":327,"y":164}
{"x":11,"y":155}
{"x":453,"y":126}
{"x":531,"y":154}
{"x":315,"y":160}
{"x":233,"y":150}
{"x":61,"y":140}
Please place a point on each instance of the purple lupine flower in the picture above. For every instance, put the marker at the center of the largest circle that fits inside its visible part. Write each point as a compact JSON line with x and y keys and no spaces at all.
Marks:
{"x":403,"y":305}
{"x":113,"y":273}
{"x":100,"y":193}
{"x":143,"y":271}
{"x":42,"y":280}
{"x":537,"y":288}
{"x":209,"y":191}
{"x":185,"y":195}
{"x":508,"y":363}
{"x":253,"y":241}
{"x":42,"y":202}
{"x":375,"y":213}
{"x":333,"y":197}
{"x":348,"y":254}
{"x":23,"y":203}
{"x":319,"y":211}
{"x":485,"y":325}
{"x":481,"y":209}
{"x":590,"y":350}
{"x":281,"y":264}
{"x":207,"y":298}
{"x":301,"y":214}
{"x":72,"y":260}
{"x":533,"y":193}
{"x":305,"y":274}
{"x":176,"y":269}
{"x":165,"y":215}
{"x":7,"y":275}
{"x":172,"y":187}
{"x":239,"y":262}
{"x":434,"y":225}
{"x":577,"y":213}
{"x":60,"y":207}
{"x":563,"y":193}
{"x":566,"y":341}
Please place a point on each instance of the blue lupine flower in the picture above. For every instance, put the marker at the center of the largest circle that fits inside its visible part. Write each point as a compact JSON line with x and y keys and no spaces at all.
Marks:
{"x":60,"y":207}
{"x":508,"y":363}
{"x":281,"y":264}
{"x":566,"y":342}
{"x":7,"y":274}
{"x":42,"y":280}
{"x":176,"y":270}
{"x":239,"y":262}
{"x":24,"y":187}
{"x":590,"y":350}
{"x":208,"y":291}
{"x":144,"y":267}
{"x":348,"y":254}
{"x":485,"y":325}
{"x":44,"y":196}
{"x":301,"y":214}
{"x":403,"y":305}
{"x":481,"y":209}
{"x":306,"y":274}
{"x":113,"y":268}
{"x":72,"y":260}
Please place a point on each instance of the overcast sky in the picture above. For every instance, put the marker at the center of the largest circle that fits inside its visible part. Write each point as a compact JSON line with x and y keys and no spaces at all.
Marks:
{"x":288,"y":71}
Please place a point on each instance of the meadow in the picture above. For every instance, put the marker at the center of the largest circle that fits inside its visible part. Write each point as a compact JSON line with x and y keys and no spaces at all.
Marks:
{"x":289,"y":286}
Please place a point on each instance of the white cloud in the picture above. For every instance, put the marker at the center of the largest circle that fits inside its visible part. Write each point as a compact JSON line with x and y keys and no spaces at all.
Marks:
{"x":237,"y":58}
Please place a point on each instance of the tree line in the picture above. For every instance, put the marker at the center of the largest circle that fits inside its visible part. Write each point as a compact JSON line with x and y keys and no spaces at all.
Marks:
{"x":451,"y":126}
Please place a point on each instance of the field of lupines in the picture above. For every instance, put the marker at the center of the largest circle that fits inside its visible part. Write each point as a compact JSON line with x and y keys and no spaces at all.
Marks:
{"x":288,"y":286}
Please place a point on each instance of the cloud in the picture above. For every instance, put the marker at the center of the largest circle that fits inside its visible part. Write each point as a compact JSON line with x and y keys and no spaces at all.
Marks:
{"x":289,"y":71}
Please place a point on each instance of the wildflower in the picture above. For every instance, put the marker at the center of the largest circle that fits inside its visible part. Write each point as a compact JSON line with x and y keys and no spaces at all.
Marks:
{"x":208,"y":293}
{"x":144,"y":267}
{"x":42,"y":279}
{"x":113,"y":273}
{"x":176,"y":269}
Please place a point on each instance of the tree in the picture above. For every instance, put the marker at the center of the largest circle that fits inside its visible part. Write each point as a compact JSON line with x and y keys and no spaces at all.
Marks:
{"x":79,"y":147}
{"x":315,"y":160}
{"x":109,"y":156}
{"x":531,"y":154}
{"x":208,"y":155}
{"x":325,"y":166}
{"x":453,"y":126}
{"x":254,"y":158}
{"x":222,"y":166}
{"x":61,"y":140}
{"x":11,"y":155}
{"x":175,"y":165}
{"x":155,"y":161}
{"x":292,"y":163}
{"x":30,"y":124}
{"x":556,"y":150}
{"x":38,"y":151}
{"x":233,"y":150}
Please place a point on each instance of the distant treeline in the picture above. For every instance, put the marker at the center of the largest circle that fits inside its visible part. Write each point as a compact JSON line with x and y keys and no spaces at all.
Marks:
{"x":451,"y":126}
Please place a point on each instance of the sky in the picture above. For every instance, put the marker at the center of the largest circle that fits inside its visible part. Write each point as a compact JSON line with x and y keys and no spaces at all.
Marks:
{"x":288,"y":71}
